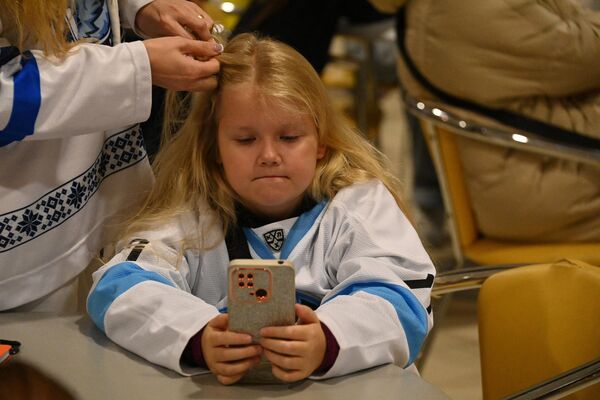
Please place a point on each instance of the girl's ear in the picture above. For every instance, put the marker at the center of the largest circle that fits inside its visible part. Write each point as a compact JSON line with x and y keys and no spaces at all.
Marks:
{"x":321,"y":151}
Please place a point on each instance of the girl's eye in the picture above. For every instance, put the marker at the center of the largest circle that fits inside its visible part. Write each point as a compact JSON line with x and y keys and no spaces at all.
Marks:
{"x":245,"y":140}
{"x":289,"y":138}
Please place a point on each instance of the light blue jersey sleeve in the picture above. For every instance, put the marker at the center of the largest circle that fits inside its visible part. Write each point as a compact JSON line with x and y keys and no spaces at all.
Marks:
{"x":379,"y":307}
{"x":142,"y":300}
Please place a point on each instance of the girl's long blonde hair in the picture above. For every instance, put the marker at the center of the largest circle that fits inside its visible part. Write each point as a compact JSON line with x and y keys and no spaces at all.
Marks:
{"x":188,"y":174}
{"x":39,"y":22}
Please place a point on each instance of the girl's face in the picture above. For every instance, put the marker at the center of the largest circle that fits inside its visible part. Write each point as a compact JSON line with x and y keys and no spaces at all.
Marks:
{"x":269,"y":153}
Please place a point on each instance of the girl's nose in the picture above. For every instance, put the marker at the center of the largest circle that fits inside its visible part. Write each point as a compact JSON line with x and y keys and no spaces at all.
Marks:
{"x":269,"y":154}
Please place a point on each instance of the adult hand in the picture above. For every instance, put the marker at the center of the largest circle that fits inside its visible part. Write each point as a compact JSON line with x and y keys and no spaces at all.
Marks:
{"x":229,"y":355}
{"x":183,"y":64}
{"x":295,"y":351}
{"x":174,"y":18}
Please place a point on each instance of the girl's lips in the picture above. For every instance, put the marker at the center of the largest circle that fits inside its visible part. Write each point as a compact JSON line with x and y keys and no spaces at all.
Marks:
{"x":271,"y":177}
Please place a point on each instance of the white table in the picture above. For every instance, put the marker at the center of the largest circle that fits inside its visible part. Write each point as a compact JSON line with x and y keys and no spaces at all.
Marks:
{"x":73,"y":351}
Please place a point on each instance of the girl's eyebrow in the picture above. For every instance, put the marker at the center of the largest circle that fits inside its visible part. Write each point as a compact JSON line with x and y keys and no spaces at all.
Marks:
{"x":240,"y":129}
{"x":245,"y":128}
{"x":295,"y":126}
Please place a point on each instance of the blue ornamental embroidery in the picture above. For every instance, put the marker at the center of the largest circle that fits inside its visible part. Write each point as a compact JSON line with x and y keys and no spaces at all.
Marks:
{"x":75,"y":198}
{"x":120,"y":151}
{"x":29,"y":223}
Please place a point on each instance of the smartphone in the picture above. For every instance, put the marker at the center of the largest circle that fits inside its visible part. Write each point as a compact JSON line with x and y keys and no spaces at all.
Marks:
{"x":261,"y":293}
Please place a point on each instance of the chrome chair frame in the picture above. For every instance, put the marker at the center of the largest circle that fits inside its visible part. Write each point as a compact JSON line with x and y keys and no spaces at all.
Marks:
{"x":562,"y":385}
{"x":435,"y":115}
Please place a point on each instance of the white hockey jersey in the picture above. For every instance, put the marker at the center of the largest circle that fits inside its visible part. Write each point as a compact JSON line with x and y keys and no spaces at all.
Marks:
{"x":357,"y":258}
{"x":71,"y":157}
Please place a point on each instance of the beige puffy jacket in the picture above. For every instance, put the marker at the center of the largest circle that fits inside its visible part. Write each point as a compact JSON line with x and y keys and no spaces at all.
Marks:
{"x":537,"y":58}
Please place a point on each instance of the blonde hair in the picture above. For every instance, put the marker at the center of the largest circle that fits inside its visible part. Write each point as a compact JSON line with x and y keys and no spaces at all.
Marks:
{"x":188,"y":174}
{"x":39,"y":22}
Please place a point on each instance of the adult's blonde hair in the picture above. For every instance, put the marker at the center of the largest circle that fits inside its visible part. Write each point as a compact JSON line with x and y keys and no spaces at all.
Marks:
{"x":39,"y":22}
{"x":188,"y":174}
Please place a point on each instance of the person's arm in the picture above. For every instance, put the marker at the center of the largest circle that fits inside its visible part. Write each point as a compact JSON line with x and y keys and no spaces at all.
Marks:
{"x":94,"y":88}
{"x":141,"y":299}
{"x":378,"y":310}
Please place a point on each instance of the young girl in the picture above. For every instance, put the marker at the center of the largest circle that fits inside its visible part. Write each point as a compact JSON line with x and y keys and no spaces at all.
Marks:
{"x":264,"y":168}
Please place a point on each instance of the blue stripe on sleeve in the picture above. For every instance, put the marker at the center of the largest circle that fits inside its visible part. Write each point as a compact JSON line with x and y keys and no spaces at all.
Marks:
{"x":115,"y":282}
{"x":26,"y":102}
{"x":411,"y":313}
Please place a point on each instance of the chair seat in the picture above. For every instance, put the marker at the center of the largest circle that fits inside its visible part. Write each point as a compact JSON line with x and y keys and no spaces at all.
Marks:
{"x":489,"y":252}
{"x":536,"y":322}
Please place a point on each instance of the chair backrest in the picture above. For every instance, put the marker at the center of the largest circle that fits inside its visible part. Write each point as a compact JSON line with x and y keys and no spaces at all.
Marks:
{"x":441,"y":126}
{"x":536,"y":322}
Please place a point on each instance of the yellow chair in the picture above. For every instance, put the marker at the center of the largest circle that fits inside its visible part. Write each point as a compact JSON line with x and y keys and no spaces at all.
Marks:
{"x":536,"y":322}
{"x":470,"y":246}
{"x":440,"y":127}
{"x":539,"y":328}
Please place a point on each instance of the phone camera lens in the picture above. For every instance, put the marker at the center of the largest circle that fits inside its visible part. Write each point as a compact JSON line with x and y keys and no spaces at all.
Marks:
{"x":241,"y":284}
{"x":261,"y":294}
{"x":240,"y":276}
{"x":250,"y":276}
{"x":250,"y":284}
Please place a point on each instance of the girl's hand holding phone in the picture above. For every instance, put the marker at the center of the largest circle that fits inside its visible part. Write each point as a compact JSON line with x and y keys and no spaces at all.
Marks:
{"x":228,"y":355}
{"x":295,"y":351}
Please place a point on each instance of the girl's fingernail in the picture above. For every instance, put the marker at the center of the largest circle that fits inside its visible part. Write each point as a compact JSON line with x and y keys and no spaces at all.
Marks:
{"x":218,"y":47}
